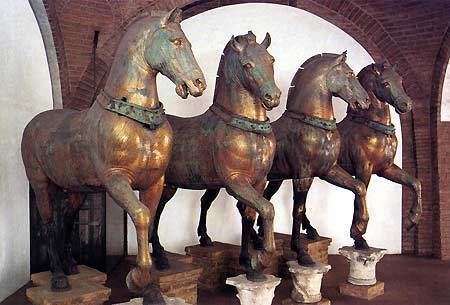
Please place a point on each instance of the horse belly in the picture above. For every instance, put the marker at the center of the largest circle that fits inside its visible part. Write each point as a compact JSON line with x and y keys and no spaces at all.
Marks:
{"x":192,"y":165}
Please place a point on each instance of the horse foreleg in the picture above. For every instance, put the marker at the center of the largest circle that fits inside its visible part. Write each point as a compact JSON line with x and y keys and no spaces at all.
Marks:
{"x":300,"y":188}
{"x":207,"y":199}
{"x":247,"y":217}
{"x":337,"y":176}
{"x":45,"y":198}
{"x":158,"y":252}
{"x":75,"y":201}
{"x":270,"y":190}
{"x":239,"y":187}
{"x":398,"y":175}
{"x":119,"y":188}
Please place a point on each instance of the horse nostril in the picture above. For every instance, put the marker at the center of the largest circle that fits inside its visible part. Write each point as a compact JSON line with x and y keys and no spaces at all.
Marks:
{"x":268,"y":97}
{"x":198,"y":83}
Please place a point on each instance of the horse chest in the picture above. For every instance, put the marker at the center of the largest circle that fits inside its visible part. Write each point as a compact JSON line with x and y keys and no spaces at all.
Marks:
{"x":380,"y":150}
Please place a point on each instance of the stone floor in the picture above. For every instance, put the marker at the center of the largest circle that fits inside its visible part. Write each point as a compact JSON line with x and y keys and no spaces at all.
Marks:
{"x":408,"y":281}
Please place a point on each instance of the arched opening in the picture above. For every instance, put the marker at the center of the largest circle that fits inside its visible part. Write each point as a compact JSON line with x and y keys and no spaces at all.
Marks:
{"x":445,"y":102}
{"x":296,"y":36}
{"x":26,"y":91}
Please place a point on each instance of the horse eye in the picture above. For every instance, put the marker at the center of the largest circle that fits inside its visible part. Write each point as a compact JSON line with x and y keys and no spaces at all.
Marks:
{"x":386,"y":84}
{"x":351,"y":74}
{"x":177,"y":42}
{"x":248,"y":66}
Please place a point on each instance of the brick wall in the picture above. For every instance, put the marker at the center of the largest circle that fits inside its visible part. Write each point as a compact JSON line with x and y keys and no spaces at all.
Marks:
{"x":408,"y":33}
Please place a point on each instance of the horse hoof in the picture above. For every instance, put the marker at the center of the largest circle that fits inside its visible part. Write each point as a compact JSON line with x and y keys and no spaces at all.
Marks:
{"x":59,"y":282}
{"x":361,"y":244}
{"x":137,"y":279}
{"x":152,"y":296}
{"x":305,"y":260}
{"x":205,"y":241}
{"x":312,"y":234}
{"x":255,"y":276}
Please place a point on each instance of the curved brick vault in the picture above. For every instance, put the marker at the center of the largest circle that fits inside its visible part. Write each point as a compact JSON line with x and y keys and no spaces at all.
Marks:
{"x":410,"y":34}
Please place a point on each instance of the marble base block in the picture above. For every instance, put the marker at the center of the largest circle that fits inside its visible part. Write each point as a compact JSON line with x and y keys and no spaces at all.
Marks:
{"x":362,"y":264}
{"x":255,"y":293}
{"x":324,"y":301}
{"x":307,"y":281}
{"x":85,"y":289}
{"x":362,"y":292}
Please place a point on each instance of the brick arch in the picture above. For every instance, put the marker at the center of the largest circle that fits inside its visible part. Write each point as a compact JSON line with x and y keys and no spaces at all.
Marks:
{"x":441,"y":146}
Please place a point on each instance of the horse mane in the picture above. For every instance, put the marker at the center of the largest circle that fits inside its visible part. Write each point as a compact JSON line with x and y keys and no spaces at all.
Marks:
{"x":313,"y":59}
{"x":247,"y":39}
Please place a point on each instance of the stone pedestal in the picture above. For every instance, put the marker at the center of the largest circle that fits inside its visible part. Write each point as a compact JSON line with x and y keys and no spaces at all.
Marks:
{"x":362,"y":292}
{"x":180,"y":281}
{"x":254,"y":293}
{"x":307,"y":282}
{"x":221,"y":261}
{"x":167,"y":300}
{"x":362,"y":264}
{"x":324,"y":301}
{"x":86,"y":289}
{"x":362,"y":282}
{"x":317,"y":249}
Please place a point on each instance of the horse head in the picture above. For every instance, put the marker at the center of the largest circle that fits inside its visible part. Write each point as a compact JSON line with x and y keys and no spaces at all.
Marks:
{"x":250,"y":64}
{"x":169,"y":52}
{"x":387,"y":85}
{"x":342,"y":82}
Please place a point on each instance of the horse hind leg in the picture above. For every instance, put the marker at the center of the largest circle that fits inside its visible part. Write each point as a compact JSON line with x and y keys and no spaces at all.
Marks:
{"x":75,"y":202}
{"x":158,"y":253}
{"x":300,"y":189}
{"x":207,"y":199}
{"x":45,"y":191}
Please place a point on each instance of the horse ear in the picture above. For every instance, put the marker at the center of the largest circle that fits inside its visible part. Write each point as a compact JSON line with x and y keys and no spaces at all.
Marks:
{"x":236,"y":45}
{"x":375,"y":69}
{"x":173,"y":16}
{"x":267,"y":41}
{"x":341,"y":58}
{"x":251,"y":36}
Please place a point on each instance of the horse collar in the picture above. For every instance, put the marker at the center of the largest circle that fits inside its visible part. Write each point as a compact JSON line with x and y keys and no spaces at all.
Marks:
{"x":312,"y":120}
{"x":151,"y":118}
{"x":377,"y":126}
{"x":241,"y":122}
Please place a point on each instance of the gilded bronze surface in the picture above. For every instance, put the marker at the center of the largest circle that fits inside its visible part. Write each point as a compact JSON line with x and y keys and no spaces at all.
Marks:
{"x":211,"y":152}
{"x":97,"y":149}
{"x":308,"y":145}
{"x":368,"y":144}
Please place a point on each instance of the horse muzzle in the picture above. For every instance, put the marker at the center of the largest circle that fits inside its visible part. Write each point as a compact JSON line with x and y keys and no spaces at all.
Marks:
{"x":192,"y":87}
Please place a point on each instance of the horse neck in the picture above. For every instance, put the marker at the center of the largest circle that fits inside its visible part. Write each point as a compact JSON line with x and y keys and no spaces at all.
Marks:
{"x":238,"y":100}
{"x":378,"y":110}
{"x":130,"y":76}
{"x":311,"y":98}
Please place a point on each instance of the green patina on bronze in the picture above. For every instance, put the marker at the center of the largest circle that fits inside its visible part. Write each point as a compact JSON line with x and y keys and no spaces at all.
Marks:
{"x":312,"y":120}
{"x":242,"y":122}
{"x":386,"y":129}
{"x":150,"y":117}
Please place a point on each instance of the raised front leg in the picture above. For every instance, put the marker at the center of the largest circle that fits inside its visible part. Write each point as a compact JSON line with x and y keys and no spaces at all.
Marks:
{"x":158,"y":253}
{"x":300,"y":190}
{"x":207,"y":199}
{"x":396,"y":174}
{"x":341,"y":178}
{"x":118,"y":187}
{"x":270,"y":190}
{"x":75,"y":202}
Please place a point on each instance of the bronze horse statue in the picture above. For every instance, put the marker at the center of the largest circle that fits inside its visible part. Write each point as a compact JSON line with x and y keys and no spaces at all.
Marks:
{"x":231,"y":145}
{"x":308,"y":144}
{"x":368,"y":137}
{"x":120,"y":144}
